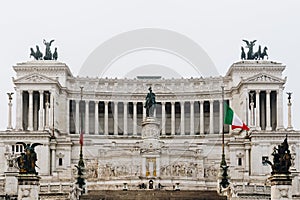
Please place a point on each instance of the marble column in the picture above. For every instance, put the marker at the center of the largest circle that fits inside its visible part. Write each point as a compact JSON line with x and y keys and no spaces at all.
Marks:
{"x":19,"y":109}
{"x":47,"y":105}
{"x":192,"y":120}
{"x":201,"y":108}
{"x":268,"y":110}
{"x":289,"y":126}
{"x":30,"y":111}
{"x":116,"y":125}
{"x":96,"y":117}
{"x":9,"y":125}
{"x":35,"y":113}
{"x":68,"y":115}
{"x":105,"y":117}
{"x":77,"y":116}
{"x":157,"y":167}
{"x":279,"y":109}
{"x":143,"y":167}
{"x":257,"y":110}
{"x":144,"y":111}
{"x":182,"y":119}
{"x":247,"y":160}
{"x":125,"y":103}
{"x":252,"y":109}
{"x":41,"y":111}
{"x":134,"y":118}
{"x":163,"y":118}
{"x":87,"y":118}
{"x":173,"y":118}
{"x":211,"y":116}
{"x":51,"y":108}
{"x":221,"y":120}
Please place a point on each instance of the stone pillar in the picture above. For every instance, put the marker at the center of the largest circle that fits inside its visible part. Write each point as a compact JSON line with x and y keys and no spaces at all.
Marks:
{"x":77,"y":116}
{"x":144,"y":111}
{"x":19,"y":109}
{"x":116,"y":118}
{"x":47,"y":112}
{"x":257,"y":110}
{"x":201,"y":108}
{"x":289,"y":127}
{"x":134,"y":118}
{"x":11,"y":183}
{"x":87,"y":117}
{"x":143,"y":167}
{"x":211,"y":116}
{"x":51,"y":108}
{"x":125,"y":103}
{"x":279,"y":109}
{"x":68,"y":115}
{"x":53,"y":155}
{"x":221,"y":116}
{"x":9,"y":125}
{"x":192,"y":125}
{"x":247,"y":160}
{"x":268,"y":110}
{"x":105,"y":117}
{"x":163,"y":118}
{"x":41,"y":111}
{"x":28,"y":187}
{"x":182,"y":126}
{"x":96,"y":118}
{"x":173,"y":118}
{"x":281,"y":187}
{"x":30,"y":111}
{"x":252,"y":110}
{"x":157,"y":167}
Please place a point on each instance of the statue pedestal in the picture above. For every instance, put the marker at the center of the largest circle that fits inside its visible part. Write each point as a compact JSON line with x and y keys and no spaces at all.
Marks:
{"x":281,"y":187}
{"x":28,"y":187}
{"x":150,"y":128}
{"x":11,"y":183}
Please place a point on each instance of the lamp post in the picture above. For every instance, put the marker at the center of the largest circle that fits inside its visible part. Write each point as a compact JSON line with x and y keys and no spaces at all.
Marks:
{"x":80,"y":167}
{"x":224,"y":183}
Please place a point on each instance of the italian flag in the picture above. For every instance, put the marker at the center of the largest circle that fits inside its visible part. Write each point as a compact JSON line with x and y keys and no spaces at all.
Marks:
{"x":232,"y":119}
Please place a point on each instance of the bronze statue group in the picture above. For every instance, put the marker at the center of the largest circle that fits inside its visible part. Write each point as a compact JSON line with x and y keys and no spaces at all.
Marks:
{"x":38,"y":55}
{"x":251,"y":55}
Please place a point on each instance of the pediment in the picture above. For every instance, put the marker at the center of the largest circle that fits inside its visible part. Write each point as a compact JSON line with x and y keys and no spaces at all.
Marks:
{"x":34,"y":79}
{"x":264,"y":78}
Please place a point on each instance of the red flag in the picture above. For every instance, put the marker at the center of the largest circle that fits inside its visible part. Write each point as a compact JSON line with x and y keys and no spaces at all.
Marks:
{"x":81,"y":138}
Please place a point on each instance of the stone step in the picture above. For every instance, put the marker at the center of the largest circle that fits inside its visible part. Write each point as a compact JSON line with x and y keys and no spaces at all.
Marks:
{"x":151,"y":195}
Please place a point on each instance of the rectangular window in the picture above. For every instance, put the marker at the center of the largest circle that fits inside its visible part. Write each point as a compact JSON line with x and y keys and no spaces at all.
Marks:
{"x":240,"y":162}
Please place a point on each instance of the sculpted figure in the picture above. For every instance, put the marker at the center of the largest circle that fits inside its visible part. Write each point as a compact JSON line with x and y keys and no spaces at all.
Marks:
{"x":282,"y":159}
{"x":150,"y":103}
{"x":27,"y":160}
{"x":48,"y":54}
{"x":250,"y":46}
{"x":243,"y":54}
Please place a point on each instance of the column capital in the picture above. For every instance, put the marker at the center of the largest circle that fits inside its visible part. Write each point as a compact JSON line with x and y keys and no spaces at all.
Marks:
{"x":106,"y":103}
{"x":30,"y":91}
{"x":85,"y":100}
{"x":257,"y":91}
{"x":163,"y":103}
{"x":220,"y":100}
{"x":172,"y":102}
{"x":96,"y":101}
{"x":268,"y":91}
{"x":134,"y":102}
{"x":211,"y":101}
{"x":125,"y":102}
{"x":77,"y":100}
{"x":192,"y":102}
{"x":41,"y":91}
{"x":201,"y":101}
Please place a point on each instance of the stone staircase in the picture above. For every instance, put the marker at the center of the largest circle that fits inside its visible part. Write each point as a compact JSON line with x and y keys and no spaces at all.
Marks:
{"x":151,"y":195}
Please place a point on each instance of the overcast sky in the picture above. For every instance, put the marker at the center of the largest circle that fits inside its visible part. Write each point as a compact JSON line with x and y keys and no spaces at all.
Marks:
{"x":218,"y":26}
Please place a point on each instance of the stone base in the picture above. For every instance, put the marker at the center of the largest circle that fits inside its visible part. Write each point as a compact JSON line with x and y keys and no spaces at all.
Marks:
{"x":11,"y":183}
{"x":28,"y":187}
{"x":281,"y":187}
{"x":150,"y":128}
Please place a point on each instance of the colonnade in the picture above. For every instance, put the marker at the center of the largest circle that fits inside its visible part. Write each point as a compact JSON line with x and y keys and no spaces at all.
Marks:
{"x":113,"y":117}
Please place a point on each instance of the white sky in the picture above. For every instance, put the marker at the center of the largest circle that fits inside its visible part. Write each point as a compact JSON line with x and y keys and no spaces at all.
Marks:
{"x":218,"y":26}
